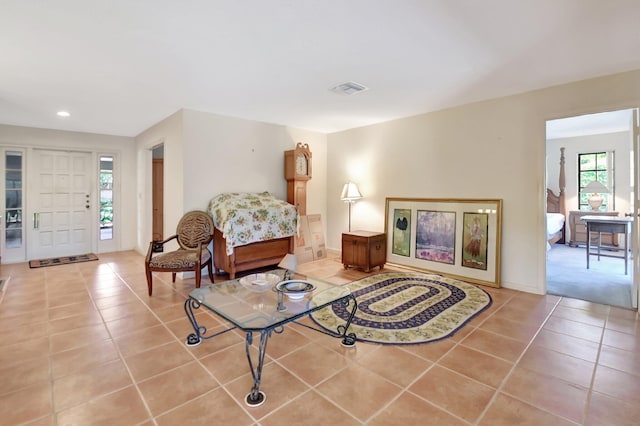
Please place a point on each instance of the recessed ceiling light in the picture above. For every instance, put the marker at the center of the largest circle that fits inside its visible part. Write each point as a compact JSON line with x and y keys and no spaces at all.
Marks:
{"x":63,"y":114}
{"x":349,"y":88}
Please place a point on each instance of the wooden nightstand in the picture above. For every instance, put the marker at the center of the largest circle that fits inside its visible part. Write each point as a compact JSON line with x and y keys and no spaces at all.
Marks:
{"x":579,"y":231}
{"x":364,"y":249}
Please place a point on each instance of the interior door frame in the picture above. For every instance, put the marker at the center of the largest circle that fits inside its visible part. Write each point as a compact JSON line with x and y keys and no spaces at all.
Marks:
{"x":635,"y":242}
{"x":635,"y":198}
{"x":157,"y":199}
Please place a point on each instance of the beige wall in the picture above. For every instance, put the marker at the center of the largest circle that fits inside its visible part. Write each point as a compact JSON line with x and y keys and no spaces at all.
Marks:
{"x":206,"y":154}
{"x":492,"y":149}
{"x":169,"y":133}
{"x":228,"y":154}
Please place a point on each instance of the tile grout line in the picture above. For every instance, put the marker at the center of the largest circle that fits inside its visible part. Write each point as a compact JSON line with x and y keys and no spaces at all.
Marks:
{"x":553,"y":312}
{"x":4,"y":284}
{"x":191,"y":353}
{"x":54,"y":416}
{"x":587,"y":404}
{"x":350,"y":362}
{"x":456,"y":344}
{"x":515,"y":364}
{"x":120,"y":356}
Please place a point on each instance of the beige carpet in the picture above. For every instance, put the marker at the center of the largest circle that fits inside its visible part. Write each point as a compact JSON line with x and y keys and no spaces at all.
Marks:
{"x":604,"y":282}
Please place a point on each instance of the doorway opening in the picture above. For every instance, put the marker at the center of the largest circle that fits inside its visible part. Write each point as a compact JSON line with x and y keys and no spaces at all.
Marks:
{"x":598,"y":150}
{"x":157,"y":185}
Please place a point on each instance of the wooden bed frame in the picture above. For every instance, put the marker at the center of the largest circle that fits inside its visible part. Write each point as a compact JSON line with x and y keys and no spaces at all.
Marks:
{"x":556,"y":203}
{"x":250,"y":256}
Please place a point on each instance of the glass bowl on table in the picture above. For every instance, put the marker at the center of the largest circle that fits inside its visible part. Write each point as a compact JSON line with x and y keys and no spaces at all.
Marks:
{"x":259,"y":282}
{"x":295,"y":289}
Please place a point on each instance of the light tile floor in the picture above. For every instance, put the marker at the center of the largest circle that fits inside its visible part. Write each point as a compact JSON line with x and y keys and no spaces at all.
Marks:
{"x":83,"y":344}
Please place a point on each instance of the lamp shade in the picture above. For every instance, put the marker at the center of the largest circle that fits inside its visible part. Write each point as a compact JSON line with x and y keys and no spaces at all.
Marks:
{"x":289,"y":262}
{"x":595,"y":187}
{"x":350,"y":193}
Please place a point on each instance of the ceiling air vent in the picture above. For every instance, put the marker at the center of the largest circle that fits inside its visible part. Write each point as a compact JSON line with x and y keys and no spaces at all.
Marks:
{"x":349,"y":88}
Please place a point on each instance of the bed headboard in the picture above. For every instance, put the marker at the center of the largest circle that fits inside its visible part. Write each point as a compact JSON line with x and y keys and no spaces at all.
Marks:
{"x":555,"y":203}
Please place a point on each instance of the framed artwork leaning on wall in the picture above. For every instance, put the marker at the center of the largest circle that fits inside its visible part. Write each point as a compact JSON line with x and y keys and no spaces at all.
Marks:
{"x":460,"y":238}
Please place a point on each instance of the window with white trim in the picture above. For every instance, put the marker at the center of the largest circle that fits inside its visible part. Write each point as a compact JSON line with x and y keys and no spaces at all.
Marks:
{"x":596,"y":166}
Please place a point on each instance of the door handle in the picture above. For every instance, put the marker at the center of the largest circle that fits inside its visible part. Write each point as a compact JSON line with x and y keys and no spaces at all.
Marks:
{"x":36,"y":220}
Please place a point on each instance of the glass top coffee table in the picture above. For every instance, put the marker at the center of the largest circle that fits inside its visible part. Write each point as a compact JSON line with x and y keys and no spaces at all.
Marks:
{"x":263,"y":303}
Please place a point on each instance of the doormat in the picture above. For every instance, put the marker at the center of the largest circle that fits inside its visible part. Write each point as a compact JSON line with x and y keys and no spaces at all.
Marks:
{"x":406,"y":308}
{"x":39,"y":263}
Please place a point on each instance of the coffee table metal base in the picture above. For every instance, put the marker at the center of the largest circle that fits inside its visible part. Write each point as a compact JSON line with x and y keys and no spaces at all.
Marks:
{"x":194,"y":339}
{"x":249,"y":400}
{"x":256,"y":397}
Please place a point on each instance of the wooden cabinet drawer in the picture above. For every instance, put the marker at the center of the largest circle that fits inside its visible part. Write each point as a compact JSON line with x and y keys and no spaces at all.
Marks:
{"x":364,"y":249}
{"x":578,"y":229}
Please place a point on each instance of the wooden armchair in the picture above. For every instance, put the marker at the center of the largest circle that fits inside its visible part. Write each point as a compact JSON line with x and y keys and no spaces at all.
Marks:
{"x":193,"y":233}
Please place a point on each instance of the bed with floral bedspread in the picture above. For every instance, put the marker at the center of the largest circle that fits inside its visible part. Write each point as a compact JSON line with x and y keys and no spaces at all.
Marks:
{"x":246,"y":219}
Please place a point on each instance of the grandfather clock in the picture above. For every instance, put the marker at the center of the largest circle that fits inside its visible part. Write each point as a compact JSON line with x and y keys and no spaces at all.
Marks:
{"x":297,"y":171}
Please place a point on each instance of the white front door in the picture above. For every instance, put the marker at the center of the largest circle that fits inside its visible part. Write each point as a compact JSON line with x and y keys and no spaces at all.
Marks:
{"x":61,"y":202}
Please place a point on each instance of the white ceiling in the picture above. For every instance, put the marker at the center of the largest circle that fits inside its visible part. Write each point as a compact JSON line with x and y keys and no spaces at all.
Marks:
{"x":121,"y":66}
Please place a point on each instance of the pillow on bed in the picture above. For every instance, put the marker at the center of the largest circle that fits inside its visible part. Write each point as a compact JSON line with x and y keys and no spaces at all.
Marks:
{"x":555,"y":222}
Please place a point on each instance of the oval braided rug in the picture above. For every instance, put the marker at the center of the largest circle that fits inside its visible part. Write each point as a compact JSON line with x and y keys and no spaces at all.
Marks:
{"x":406,"y":308}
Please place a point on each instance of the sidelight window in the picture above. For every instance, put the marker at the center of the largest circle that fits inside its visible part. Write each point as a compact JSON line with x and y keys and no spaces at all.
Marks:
{"x":106,"y":197}
{"x":13,"y":199}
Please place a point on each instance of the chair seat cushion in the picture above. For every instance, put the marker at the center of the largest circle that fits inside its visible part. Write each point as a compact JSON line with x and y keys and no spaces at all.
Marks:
{"x":179,"y":259}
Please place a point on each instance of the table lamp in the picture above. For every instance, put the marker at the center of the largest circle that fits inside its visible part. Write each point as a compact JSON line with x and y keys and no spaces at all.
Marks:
{"x":289,"y":263}
{"x":350,"y":194}
{"x":595,"y":188}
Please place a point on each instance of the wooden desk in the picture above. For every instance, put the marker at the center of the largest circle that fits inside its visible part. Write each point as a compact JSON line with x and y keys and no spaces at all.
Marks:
{"x":614,"y":225}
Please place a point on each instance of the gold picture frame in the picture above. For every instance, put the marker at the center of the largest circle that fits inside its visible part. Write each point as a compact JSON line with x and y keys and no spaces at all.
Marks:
{"x":460,"y":238}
